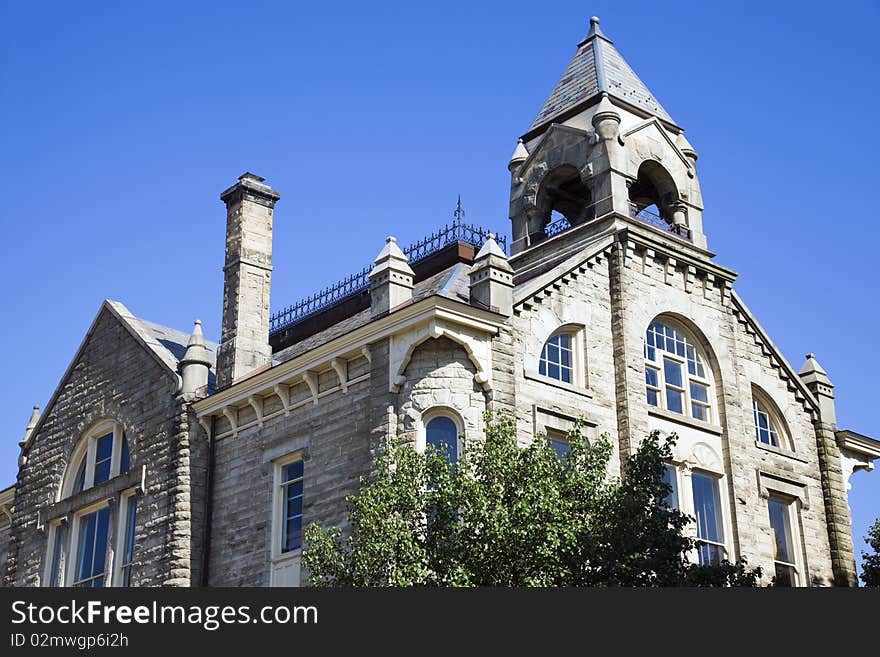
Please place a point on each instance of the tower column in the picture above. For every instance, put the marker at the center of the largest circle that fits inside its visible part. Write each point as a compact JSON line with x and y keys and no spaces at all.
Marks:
{"x":247,"y":274}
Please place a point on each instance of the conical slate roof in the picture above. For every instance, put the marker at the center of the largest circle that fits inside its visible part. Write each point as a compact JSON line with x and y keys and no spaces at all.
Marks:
{"x":597,"y":68}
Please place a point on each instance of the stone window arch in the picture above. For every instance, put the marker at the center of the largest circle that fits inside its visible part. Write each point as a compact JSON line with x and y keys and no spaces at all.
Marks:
{"x":92,"y":525}
{"x":562,"y":356}
{"x":678,"y":372}
{"x":770,"y":426}
{"x":441,"y":427}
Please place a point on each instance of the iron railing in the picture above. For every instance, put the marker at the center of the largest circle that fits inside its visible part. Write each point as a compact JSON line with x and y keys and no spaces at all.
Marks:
{"x":655,"y":220}
{"x":359,"y":282}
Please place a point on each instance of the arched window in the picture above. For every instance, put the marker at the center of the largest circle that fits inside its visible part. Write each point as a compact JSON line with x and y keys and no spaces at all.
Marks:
{"x":560,"y":357}
{"x":442,"y":433}
{"x":769,"y":426}
{"x":677,"y":376}
{"x":79,"y":552}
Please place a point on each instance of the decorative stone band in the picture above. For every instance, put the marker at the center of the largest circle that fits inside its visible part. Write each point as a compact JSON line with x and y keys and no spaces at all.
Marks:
{"x":433,"y":317}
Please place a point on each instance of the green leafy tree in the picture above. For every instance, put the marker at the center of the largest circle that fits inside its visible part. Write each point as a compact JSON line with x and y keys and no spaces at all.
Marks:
{"x":871,"y":562}
{"x":506,"y":515}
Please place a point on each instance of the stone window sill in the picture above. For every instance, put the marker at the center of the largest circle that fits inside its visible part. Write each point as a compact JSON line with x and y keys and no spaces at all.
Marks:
{"x":287,"y":556}
{"x":780,"y":451}
{"x":562,"y":385}
{"x":687,"y":421}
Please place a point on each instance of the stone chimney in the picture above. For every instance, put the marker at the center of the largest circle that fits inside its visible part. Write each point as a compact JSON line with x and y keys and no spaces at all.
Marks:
{"x":492,"y":279}
{"x":247,"y":274}
{"x":391,"y":279}
{"x":817,"y":382}
{"x":195,"y":365}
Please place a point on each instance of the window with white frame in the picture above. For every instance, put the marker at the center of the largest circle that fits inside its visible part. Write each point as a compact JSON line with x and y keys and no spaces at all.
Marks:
{"x":442,"y":434}
{"x":710,"y":523}
{"x":784,"y":543}
{"x":287,"y":520}
{"x":290,"y":496}
{"x":769,"y":425}
{"x":677,"y":375}
{"x":79,"y":551}
{"x":670,"y":478}
{"x":561,"y":357}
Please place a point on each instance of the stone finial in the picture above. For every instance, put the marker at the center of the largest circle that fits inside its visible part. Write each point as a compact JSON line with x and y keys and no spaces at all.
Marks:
{"x":606,"y":120}
{"x":32,"y":422}
{"x":391,"y":279}
{"x":520,"y":154}
{"x":195,"y":364}
{"x":491,"y":279}
{"x":594,"y":27}
{"x":817,"y":381}
{"x":685,"y":147}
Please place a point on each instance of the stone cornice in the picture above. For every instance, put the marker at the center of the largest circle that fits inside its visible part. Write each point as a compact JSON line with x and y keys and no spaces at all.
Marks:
{"x":432,"y":310}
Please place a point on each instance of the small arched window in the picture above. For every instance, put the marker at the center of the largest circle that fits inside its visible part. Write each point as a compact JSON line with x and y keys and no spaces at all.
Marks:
{"x":677,"y":375}
{"x":560,"y":357}
{"x":769,"y":426}
{"x":442,"y":434}
{"x":80,"y":552}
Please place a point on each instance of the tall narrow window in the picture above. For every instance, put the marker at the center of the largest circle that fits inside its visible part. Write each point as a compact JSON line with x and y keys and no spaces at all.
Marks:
{"x":783,"y":544}
{"x":59,"y":535}
{"x":128,"y":540}
{"x":769,"y":424}
{"x":441,"y":433}
{"x":670,"y":478}
{"x":91,"y":549}
{"x":676,"y":375}
{"x":557,"y":358}
{"x":707,"y":509}
{"x":292,"y":509}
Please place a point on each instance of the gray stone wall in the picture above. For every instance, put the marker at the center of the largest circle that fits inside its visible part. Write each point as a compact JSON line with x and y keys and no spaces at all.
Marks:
{"x":4,"y":549}
{"x":337,"y":441}
{"x":114,"y":378}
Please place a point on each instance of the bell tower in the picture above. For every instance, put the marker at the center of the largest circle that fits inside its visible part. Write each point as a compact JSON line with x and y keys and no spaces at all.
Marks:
{"x":601,"y":152}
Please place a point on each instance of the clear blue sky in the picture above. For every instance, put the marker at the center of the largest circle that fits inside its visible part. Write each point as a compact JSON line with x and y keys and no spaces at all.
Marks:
{"x":121,"y":124}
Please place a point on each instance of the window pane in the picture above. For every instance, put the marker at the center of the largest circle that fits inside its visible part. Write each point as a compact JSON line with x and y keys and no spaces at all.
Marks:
{"x":293,"y":534}
{"x":125,"y":457}
{"x":60,"y":537}
{"x":672,"y":372}
{"x":699,"y":412}
{"x":707,"y":507}
{"x":779,"y":521}
{"x":293,"y":470}
{"x":651,"y":377}
{"x":103,"y":454}
{"x":669,"y":479}
{"x":709,"y":554}
{"x":560,"y":446}
{"x":80,"y":481}
{"x":566,"y":358}
{"x":542,"y":366}
{"x":652,"y":398}
{"x":442,"y":434}
{"x":785,"y":575}
{"x":92,"y":549}
{"x":699,"y":392}
{"x":674,"y":401}
{"x":565,"y":340}
{"x":553,"y":371}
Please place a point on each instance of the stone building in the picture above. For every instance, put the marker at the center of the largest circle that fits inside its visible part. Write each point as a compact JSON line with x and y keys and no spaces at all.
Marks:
{"x":163,"y":459}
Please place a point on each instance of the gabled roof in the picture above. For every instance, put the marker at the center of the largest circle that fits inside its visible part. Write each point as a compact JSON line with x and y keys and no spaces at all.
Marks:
{"x":596,"y":68}
{"x":166,"y":345}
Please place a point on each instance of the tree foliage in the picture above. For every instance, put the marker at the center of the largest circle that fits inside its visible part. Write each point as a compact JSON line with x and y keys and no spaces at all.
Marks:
{"x":871,"y":562}
{"x":506,"y":515}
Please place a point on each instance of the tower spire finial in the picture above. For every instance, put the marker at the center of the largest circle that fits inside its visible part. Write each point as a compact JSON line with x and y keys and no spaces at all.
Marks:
{"x":594,"y":27}
{"x":459,"y":211}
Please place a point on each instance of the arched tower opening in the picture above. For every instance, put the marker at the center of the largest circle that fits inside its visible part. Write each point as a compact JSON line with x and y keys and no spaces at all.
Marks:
{"x":563,"y":198}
